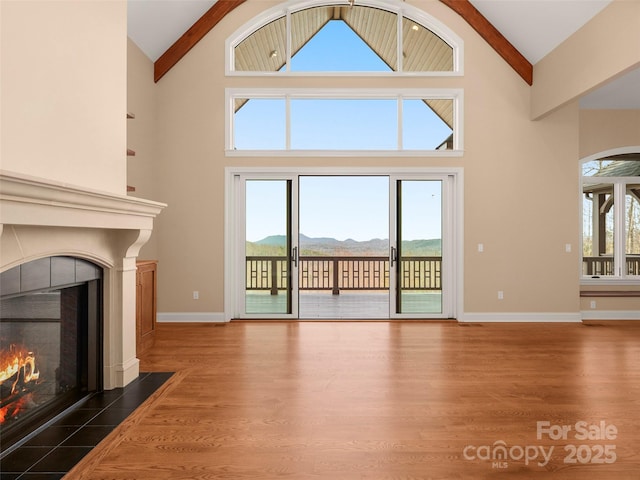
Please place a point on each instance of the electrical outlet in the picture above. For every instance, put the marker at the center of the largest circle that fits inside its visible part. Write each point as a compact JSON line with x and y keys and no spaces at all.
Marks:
{"x":500,"y":295}
{"x":196,"y":295}
{"x":567,"y":247}
{"x":593,"y":304}
{"x":480,"y":247}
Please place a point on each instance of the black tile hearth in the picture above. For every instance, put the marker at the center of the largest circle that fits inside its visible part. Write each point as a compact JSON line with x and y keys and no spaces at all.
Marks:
{"x":55,"y":450}
{"x":60,"y":460}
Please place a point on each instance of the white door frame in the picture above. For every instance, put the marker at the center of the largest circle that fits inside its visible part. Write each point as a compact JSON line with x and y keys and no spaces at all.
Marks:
{"x":234,"y":246}
{"x":448,"y":204}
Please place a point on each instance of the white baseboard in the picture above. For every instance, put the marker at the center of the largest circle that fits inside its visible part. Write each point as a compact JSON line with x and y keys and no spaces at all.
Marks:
{"x":610,"y":314}
{"x":120,"y":375}
{"x":190,"y":317}
{"x":522,"y":317}
{"x":513,"y":317}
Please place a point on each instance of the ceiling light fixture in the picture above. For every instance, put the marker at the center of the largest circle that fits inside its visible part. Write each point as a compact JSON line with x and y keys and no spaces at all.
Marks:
{"x":273,"y":54}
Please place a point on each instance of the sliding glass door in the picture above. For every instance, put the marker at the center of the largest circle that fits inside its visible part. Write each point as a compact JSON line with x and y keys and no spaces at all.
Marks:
{"x":417,"y":251}
{"x":357,"y":246}
{"x":270,"y":248}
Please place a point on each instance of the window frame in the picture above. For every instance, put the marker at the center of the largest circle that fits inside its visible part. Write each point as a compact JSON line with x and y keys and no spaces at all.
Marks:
{"x":456,"y":95}
{"x":402,"y":10}
{"x":619,"y":187}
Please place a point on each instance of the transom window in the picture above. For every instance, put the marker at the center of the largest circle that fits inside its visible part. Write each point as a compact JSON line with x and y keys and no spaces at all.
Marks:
{"x":338,"y":38}
{"x":611,"y":217}
{"x":410,"y":122}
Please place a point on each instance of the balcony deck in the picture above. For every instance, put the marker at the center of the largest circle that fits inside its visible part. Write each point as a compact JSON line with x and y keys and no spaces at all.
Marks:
{"x":343,"y":286}
{"x":347,"y":305}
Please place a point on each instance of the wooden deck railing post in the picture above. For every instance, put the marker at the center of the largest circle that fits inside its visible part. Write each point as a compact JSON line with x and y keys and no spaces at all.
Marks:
{"x":336,"y":286}
{"x":274,"y":276}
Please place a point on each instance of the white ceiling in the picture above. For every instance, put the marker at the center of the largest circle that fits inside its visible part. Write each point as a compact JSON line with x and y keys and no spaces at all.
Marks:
{"x":154,"y":25}
{"x":622,"y":93}
{"x":534,"y":27}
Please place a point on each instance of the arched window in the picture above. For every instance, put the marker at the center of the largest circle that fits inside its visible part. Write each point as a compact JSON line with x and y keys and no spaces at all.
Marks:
{"x":365,"y":37}
{"x":376,"y":37}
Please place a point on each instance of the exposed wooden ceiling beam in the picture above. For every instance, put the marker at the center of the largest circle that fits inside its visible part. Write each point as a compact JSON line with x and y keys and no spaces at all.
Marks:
{"x":463,"y":7}
{"x":493,"y":37}
{"x":191,"y":37}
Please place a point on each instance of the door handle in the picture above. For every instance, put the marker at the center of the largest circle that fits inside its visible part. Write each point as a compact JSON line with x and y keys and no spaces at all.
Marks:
{"x":294,"y":256}
{"x":394,"y":256}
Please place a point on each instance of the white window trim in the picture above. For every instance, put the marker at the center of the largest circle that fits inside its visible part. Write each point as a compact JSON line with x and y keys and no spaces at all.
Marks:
{"x":457,"y":95}
{"x":394,"y":6}
{"x":619,"y":222}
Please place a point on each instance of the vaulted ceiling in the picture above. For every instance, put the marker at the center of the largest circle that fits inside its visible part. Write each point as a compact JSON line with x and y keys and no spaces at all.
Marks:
{"x":531,"y":27}
{"x":534,"y":27}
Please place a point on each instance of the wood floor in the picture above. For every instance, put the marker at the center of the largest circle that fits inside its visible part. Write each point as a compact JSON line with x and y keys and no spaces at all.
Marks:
{"x":384,"y":400}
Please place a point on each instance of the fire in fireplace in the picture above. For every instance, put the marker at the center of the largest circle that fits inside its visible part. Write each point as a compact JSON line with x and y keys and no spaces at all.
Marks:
{"x":50,"y":341}
{"x":18,"y":380}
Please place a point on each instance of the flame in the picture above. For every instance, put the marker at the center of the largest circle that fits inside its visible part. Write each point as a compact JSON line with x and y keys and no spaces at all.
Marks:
{"x":18,"y":366}
{"x":15,"y":360}
{"x":16,"y":408}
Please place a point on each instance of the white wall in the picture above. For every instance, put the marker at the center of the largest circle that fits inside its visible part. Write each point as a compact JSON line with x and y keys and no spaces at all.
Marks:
{"x":64,"y":91}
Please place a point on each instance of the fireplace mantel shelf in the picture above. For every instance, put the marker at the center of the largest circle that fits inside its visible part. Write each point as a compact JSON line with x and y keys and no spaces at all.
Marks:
{"x":26,"y":200}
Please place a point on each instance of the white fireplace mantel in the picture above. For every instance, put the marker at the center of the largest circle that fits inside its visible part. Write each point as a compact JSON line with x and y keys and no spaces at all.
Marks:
{"x":41,"y":218}
{"x":28,"y":200}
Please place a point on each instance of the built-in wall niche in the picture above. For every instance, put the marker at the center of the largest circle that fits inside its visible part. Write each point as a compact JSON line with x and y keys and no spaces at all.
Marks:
{"x":50,"y":342}
{"x":130,"y":153}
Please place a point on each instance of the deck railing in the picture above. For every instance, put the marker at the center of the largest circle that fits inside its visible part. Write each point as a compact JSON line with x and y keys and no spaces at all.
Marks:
{"x":343,"y":273}
{"x":372,"y":273}
{"x":603,"y":266}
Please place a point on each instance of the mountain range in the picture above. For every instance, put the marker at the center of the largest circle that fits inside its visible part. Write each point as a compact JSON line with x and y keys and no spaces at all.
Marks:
{"x":275,"y":245}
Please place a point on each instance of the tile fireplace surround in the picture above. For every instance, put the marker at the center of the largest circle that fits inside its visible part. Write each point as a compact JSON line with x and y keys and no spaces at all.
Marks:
{"x":39,"y":218}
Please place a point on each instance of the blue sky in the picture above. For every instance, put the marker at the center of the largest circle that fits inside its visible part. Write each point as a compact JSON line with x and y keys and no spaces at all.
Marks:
{"x":266,"y":209}
{"x":336,"y":48}
{"x":343,"y":207}
{"x":358,"y":208}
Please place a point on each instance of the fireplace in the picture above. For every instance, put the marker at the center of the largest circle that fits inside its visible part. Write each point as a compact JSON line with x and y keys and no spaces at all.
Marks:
{"x":86,"y":242}
{"x":50,"y":341}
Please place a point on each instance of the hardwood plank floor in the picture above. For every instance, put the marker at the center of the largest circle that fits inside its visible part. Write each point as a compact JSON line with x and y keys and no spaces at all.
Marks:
{"x":383,"y":400}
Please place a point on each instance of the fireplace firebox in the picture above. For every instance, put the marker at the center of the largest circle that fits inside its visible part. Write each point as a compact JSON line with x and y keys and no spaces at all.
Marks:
{"x":50,"y":342}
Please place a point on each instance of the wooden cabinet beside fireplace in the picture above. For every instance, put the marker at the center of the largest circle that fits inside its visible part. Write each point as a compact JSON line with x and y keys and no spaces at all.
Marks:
{"x":146,"y":288}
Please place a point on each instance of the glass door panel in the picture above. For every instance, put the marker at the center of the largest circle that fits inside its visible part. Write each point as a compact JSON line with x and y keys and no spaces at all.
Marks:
{"x":268,"y":247}
{"x":417,"y":255}
{"x":344,"y":245}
